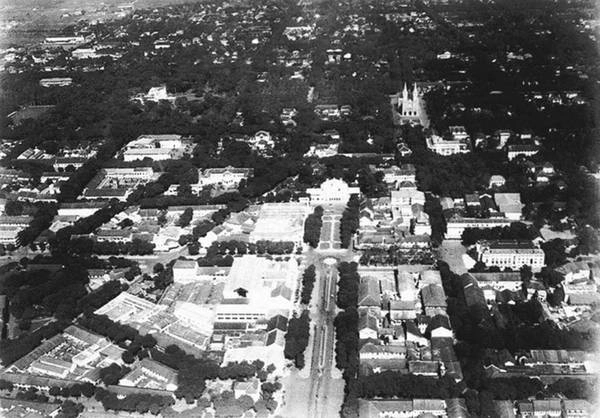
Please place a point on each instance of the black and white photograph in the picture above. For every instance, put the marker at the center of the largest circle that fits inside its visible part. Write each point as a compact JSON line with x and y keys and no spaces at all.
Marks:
{"x":300,"y":208}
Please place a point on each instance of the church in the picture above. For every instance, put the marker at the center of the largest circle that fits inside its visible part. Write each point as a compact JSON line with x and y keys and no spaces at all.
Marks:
{"x":407,"y":107}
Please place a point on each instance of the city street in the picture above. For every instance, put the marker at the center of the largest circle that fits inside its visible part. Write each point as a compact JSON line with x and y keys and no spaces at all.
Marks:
{"x":318,"y":389}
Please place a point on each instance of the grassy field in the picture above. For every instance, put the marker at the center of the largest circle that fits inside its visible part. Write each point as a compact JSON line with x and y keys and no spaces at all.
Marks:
{"x":24,"y":22}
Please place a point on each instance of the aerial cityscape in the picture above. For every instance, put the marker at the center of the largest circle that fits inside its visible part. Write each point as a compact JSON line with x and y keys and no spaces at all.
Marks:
{"x":300,"y":209}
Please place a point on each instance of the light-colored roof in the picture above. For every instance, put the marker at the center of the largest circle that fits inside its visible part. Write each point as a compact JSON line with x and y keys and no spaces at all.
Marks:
{"x":186,"y":264}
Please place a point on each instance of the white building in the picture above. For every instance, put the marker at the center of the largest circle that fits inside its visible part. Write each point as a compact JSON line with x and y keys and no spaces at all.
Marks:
{"x":403,"y":200}
{"x":80,"y":209}
{"x":511,"y":254}
{"x":261,"y":141}
{"x":332,"y":191}
{"x":396,"y":175}
{"x":228,"y":177}
{"x":155,"y":147}
{"x":497,"y":181}
{"x":56,"y":82}
{"x":155,"y":94}
{"x":457,"y":224}
{"x":185,"y":271}
{"x":408,"y":106}
{"x":258,"y":288}
{"x":509,"y":204}
{"x":446,"y":147}
{"x":525,"y":150}
{"x":322,"y":150}
{"x":281,"y":222}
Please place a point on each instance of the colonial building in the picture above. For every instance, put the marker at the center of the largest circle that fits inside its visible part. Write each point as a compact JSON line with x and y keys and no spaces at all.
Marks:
{"x":509,"y":204}
{"x":455,"y":225}
{"x":229,"y":177}
{"x":155,"y":147}
{"x":332,"y":191}
{"x":512,"y":254}
{"x":446,"y":147}
{"x":525,"y":150}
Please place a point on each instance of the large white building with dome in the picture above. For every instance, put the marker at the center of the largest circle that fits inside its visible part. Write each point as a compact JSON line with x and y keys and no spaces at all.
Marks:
{"x":331,"y":192}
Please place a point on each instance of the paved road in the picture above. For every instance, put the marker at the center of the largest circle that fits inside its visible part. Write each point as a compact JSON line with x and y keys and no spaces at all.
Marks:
{"x":318,"y":390}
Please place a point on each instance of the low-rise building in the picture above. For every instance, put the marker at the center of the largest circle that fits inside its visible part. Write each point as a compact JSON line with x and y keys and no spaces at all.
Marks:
{"x":152,"y":375}
{"x":525,"y":150}
{"x":56,"y":82}
{"x":509,"y":204}
{"x":446,"y":147}
{"x":497,"y":181}
{"x":456,"y":224}
{"x":155,"y":147}
{"x":394,"y":175}
{"x":228,"y":177}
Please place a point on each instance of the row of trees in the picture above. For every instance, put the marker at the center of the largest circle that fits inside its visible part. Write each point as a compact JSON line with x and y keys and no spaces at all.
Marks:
{"x":308,"y":283}
{"x":433,"y":208}
{"x":312,"y":227}
{"x":135,"y":402}
{"x":193,"y":372}
{"x":234,"y":247}
{"x":296,"y":338}
{"x":125,"y":336}
{"x":349,"y":223}
{"x":516,"y":231}
{"x":391,"y":384}
{"x":86,"y":246}
{"x":346,"y":335}
{"x":348,"y":283}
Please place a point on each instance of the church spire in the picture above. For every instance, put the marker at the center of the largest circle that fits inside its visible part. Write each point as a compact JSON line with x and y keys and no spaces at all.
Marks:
{"x":405,"y":92}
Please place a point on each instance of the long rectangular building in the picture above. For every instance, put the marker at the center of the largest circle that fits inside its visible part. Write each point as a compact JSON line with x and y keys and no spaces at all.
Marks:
{"x":511,"y":254}
{"x":456,"y":225}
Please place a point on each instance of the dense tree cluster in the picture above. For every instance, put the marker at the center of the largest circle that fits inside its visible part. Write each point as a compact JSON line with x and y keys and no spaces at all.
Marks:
{"x":346,"y":334}
{"x":185,"y":218}
{"x":312,"y":227}
{"x":260,"y":247}
{"x":433,"y":208}
{"x":296,"y":338}
{"x":86,"y":246}
{"x":136,"y":402}
{"x":192,"y":372}
{"x":390,"y":384}
{"x":125,"y":336}
{"x":75,"y":391}
{"x":31,"y":394}
{"x":13,"y":349}
{"x":42,"y":218}
{"x":308,"y":283}
{"x":62,"y":293}
{"x":347,"y":285}
{"x":516,"y":231}
{"x":70,"y":409}
{"x":349,"y":223}
{"x":111,"y":374}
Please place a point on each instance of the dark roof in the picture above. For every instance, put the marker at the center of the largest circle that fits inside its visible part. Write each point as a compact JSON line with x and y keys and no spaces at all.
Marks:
{"x":277,"y":322}
{"x":439,"y":321}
